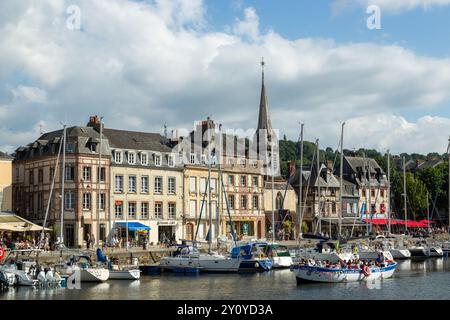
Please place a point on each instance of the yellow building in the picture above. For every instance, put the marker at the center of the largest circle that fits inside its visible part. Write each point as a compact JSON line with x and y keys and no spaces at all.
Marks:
{"x":5,"y":182}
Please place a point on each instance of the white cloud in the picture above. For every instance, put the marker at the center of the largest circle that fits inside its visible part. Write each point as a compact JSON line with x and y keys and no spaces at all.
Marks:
{"x":142,"y":65}
{"x":248,"y":27}
{"x":392,"y":6}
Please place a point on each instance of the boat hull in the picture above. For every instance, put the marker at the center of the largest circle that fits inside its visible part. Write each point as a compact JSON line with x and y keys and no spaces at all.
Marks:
{"x":435,"y":252}
{"x":307,"y":274}
{"x":133,"y":274}
{"x":180,"y":264}
{"x":400,"y":253}
{"x":258,"y":265}
{"x":219,"y":264}
{"x":419,"y":252}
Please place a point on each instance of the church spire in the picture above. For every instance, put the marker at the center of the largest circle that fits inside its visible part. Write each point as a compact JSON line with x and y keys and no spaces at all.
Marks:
{"x":264,"y":119}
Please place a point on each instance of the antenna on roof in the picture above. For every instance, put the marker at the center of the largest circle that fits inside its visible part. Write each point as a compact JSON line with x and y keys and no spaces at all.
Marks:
{"x":165,"y":131}
{"x":40,"y":129}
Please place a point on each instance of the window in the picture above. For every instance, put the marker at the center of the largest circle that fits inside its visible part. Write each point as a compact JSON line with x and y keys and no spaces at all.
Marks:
{"x":231,"y":201}
{"x":158,"y":210}
{"x":131,"y":210}
{"x":144,"y":159}
{"x":171,"y":161}
{"x":192,"y":158}
{"x":193,"y":208}
{"x":255,"y":181}
{"x":243,"y":181}
{"x":70,"y":147}
{"x":52,"y":173}
{"x":171,"y":185}
{"x":158,"y":160}
{"x":119,"y":210}
{"x":255,"y":202}
{"x":202,"y":185}
{"x":118,"y":156}
{"x":132,"y":184}
{"x":192,"y":184}
{"x":101,"y":174}
{"x":69,"y":174}
{"x":364,"y":192}
{"x":119,"y":184}
{"x":40,"y":176}
{"x":203,"y":159}
{"x":172,"y":211}
{"x":373,"y":193}
{"x":69,"y":200}
{"x":213,"y":185}
{"x":231,"y":162}
{"x":31,"y":176}
{"x":144,"y":184}
{"x":102,"y":201}
{"x":86,"y":174}
{"x":40,"y":202}
{"x":93,"y":147}
{"x":86,"y":201}
{"x":231,"y":180}
{"x":382,"y":193}
{"x":243,"y":202}
{"x":158,"y":184}
{"x":131,"y":158}
{"x":144,"y":210}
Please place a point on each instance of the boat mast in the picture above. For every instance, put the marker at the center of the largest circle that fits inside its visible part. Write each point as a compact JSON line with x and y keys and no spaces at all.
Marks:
{"x":341,"y":181}
{"x":370,"y":195}
{"x":98,"y":182}
{"x":389,"y":191}
{"x":300,"y":188}
{"x":62,"y":185}
{"x":219,"y":184}
{"x":273,"y":191}
{"x":126,"y":217}
{"x":51,"y":193}
{"x":209,"y":187}
{"x":428,"y":211}
{"x":365,"y":197}
{"x":404,"y":193}
{"x":318,"y":185}
{"x":448,"y":151}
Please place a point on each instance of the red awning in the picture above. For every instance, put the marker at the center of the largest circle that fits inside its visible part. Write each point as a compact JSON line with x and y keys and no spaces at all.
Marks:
{"x":409,"y":223}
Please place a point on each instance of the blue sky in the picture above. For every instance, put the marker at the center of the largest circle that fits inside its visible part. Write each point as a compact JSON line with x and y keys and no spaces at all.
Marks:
{"x":145,"y":63}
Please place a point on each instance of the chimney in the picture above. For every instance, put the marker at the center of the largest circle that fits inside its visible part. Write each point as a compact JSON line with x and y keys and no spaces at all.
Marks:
{"x":291,"y":168}
{"x":94,"y":122}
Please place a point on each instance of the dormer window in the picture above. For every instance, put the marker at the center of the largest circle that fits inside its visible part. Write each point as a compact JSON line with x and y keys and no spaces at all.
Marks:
{"x":158,"y":159}
{"x":144,"y":159}
{"x":70,"y":147}
{"x":131,"y":158}
{"x":118,"y":156}
{"x":93,"y":147}
{"x":192,"y":158}
{"x":203,"y":159}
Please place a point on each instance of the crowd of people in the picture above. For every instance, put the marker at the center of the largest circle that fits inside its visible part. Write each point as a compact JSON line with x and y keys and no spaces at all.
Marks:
{"x":25,"y":242}
{"x":357,"y":264}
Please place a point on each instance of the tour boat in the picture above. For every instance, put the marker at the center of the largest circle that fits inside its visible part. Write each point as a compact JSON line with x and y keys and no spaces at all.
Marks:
{"x":329,"y":251}
{"x":306,"y":273}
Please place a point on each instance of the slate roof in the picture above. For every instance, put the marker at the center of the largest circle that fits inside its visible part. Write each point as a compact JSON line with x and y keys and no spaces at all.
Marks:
{"x":5,"y":156}
{"x":134,"y":140}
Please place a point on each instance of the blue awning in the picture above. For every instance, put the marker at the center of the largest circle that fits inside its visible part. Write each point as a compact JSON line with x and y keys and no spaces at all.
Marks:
{"x":133,"y":226}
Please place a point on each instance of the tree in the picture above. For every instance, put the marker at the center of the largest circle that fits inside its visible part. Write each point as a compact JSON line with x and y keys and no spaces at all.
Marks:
{"x":416,"y":194}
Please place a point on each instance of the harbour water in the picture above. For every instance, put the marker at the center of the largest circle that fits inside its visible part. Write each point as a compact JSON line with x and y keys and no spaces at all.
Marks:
{"x":414,"y":279}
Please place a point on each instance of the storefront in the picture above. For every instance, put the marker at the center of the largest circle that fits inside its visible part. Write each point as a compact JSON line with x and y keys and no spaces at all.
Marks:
{"x":138,"y":233}
{"x":167,"y":231}
{"x":243,"y":227}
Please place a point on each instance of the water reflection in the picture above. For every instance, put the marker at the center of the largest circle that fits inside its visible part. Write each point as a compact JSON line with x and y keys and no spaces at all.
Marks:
{"x":414,"y":279}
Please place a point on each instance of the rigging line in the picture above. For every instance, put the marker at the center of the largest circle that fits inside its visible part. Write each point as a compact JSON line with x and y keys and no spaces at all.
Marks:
{"x":327,"y":186}
{"x":228,"y":209}
{"x":51,"y":190}
{"x":200,"y":216}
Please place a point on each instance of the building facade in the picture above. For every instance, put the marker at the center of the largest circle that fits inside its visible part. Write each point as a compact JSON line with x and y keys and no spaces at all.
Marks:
{"x":5,"y":182}
{"x":147,"y":188}
{"x":37,"y":166}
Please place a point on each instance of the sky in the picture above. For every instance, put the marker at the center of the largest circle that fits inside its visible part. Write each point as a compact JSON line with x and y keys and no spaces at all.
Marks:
{"x":144,"y":63}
